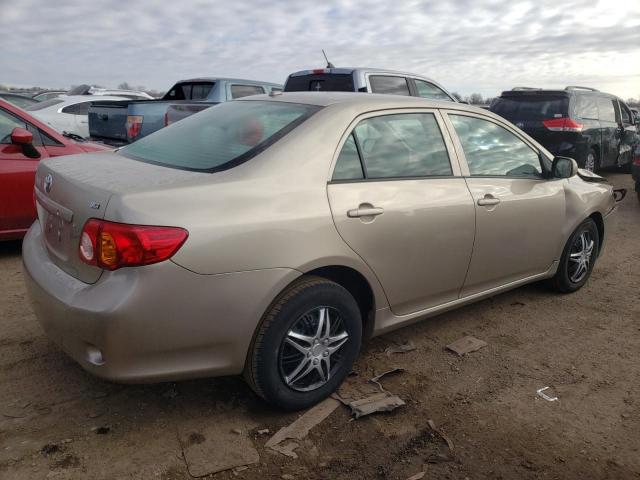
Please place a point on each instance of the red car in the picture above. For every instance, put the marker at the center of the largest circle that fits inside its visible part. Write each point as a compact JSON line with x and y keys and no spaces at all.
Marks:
{"x":24,"y":141}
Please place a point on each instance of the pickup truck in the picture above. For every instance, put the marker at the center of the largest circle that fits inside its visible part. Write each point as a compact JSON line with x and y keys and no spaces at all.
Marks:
{"x":119,"y":123}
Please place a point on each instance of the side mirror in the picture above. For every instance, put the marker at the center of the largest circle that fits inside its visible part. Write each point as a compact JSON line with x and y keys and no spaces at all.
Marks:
{"x":564,"y":167}
{"x":24,"y":138}
{"x":21,"y":136}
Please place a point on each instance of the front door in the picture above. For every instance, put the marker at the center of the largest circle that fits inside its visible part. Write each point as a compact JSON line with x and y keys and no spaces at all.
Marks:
{"x":609,"y":127}
{"x":399,"y":202}
{"x":17,"y":173}
{"x":519,"y":214}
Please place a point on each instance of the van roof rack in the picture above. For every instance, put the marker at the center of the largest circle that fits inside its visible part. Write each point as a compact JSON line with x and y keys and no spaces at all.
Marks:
{"x":524,"y":88}
{"x":576,"y":87}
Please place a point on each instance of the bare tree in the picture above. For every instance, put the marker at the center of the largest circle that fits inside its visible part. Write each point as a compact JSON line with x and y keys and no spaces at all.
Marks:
{"x":125,"y":86}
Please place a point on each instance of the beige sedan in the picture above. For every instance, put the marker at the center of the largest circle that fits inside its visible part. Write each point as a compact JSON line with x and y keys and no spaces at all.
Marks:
{"x":270,"y":236}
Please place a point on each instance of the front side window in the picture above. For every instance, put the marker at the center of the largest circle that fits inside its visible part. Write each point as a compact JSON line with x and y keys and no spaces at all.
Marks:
{"x":389,"y":84}
{"x":7,"y":123}
{"x":239,"y":91}
{"x":625,"y":114}
{"x":492,"y":150}
{"x":220,"y":137}
{"x":396,"y":146}
{"x":428,"y":90}
{"x":606,"y":110}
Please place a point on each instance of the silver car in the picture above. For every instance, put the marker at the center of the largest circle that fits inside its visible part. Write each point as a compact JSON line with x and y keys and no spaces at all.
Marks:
{"x":271,"y":235}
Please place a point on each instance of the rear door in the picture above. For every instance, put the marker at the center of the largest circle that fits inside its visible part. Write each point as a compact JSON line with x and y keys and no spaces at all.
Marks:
{"x":17,"y":172}
{"x":520,"y":215}
{"x":399,"y":202}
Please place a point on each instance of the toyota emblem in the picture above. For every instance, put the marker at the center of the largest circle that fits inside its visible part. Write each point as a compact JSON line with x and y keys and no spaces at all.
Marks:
{"x":48,"y":182}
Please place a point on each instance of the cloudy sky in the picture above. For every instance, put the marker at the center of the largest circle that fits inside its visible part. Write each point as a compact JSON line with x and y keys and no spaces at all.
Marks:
{"x":467,"y":45}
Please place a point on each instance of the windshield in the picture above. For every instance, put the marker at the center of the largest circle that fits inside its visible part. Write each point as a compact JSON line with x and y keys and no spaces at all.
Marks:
{"x":220,"y":137}
{"x":531,"y":107}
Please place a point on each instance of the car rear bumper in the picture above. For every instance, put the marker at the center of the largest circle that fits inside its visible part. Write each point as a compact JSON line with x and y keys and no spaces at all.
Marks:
{"x":155,"y":323}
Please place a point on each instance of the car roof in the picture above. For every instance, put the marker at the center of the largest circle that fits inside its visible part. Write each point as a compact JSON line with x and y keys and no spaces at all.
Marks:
{"x":366,"y":101}
{"x":348,"y":70}
{"x":227,"y":79}
{"x":523,"y":91}
{"x":72,"y":99}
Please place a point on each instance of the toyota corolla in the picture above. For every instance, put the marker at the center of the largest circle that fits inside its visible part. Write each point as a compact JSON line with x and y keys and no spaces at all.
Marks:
{"x":272,"y":235}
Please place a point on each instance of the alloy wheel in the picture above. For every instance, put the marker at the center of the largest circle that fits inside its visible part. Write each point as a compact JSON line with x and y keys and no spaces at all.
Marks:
{"x":590,"y":162}
{"x":580,"y":256}
{"x":312,"y":349}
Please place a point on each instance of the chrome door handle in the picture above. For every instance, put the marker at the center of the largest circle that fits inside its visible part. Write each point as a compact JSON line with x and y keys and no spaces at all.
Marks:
{"x":488,"y":200}
{"x":364,"y":212}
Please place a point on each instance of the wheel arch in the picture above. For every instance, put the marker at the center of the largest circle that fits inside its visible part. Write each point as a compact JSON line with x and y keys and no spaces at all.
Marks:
{"x":599,"y":221}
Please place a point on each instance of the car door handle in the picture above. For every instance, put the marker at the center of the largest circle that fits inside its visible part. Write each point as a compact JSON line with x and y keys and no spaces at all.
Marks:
{"x":488,"y":200}
{"x":364,"y":212}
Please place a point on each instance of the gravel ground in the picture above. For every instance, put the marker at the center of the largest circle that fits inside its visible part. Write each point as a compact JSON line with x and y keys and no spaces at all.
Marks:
{"x":56,"y":421}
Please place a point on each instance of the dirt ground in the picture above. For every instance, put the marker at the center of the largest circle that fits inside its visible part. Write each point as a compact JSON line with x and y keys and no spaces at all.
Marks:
{"x":56,"y":421}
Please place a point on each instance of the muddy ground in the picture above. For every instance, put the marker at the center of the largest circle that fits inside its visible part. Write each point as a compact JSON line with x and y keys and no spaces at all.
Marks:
{"x":56,"y":421}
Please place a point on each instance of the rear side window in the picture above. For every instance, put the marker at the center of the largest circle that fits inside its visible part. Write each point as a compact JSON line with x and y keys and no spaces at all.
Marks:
{"x":389,"y":84}
{"x":348,"y":166}
{"x":77,"y":109}
{"x":531,"y":107}
{"x":492,"y":150}
{"x":606,"y":109}
{"x":189,"y":91}
{"x":322,"y":82}
{"x":429,"y":90}
{"x":397,"y":146}
{"x":45,"y":104}
{"x":220,"y":137}
{"x":239,"y":91}
{"x":586,"y":107}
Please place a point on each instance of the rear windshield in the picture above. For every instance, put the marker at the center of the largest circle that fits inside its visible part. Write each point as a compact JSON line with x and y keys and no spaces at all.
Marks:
{"x":322,"y":82}
{"x":220,"y":137}
{"x":531,"y":107}
{"x":45,"y":104}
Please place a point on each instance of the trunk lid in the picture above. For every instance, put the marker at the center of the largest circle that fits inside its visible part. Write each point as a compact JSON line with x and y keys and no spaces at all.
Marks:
{"x":70,"y":190}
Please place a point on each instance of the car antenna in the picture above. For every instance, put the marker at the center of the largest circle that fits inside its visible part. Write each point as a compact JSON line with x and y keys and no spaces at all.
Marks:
{"x":329,"y":64}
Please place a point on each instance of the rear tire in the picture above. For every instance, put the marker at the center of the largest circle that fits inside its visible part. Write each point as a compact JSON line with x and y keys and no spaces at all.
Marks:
{"x":297,"y":359}
{"x":578,"y":258}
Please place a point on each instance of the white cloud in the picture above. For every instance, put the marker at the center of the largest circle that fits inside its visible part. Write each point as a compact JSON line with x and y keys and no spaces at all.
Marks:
{"x":468,"y":46}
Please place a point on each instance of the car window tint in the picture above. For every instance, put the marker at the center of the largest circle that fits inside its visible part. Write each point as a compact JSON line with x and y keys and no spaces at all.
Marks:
{"x":77,"y":108}
{"x":7,"y":123}
{"x":200,"y":91}
{"x":239,"y":91}
{"x":606,"y":109}
{"x":586,"y":107}
{"x":493,"y":150}
{"x":389,"y":84}
{"x":428,"y":90}
{"x":348,"y":166}
{"x":221,"y":137}
{"x":403,"y":145}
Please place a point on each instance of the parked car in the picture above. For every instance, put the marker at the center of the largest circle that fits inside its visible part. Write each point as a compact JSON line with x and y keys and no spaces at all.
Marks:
{"x":635,"y":170}
{"x":595,"y":128}
{"x":116,"y":92}
{"x":24,"y":141}
{"x":122,"y":123}
{"x":367,"y":80}
{"x":48,"y":95}
{"x":270,"y":235}
{"x":17,"y":100}
{"x":68,"y":113}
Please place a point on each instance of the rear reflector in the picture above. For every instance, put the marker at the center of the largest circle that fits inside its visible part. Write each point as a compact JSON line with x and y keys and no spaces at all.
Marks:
{"x":562,"y":125}
{"x":111,"y":245}
{"x":134,"y":125}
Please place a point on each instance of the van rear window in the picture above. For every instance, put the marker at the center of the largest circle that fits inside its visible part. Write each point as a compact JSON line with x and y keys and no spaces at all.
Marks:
{"x":322,"y":82}
{"x":220,"y":137}
{"x":531,"y":107}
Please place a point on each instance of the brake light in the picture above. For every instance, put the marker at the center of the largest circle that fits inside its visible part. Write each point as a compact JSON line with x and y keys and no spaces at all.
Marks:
{"x":134,"y":125}
{"x":112,"y":245}
{"x":317,"y":71}
{"x":562,"y":125}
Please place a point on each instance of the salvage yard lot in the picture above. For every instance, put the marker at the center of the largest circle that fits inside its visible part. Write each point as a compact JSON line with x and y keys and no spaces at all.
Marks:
{"x":56,"y":421}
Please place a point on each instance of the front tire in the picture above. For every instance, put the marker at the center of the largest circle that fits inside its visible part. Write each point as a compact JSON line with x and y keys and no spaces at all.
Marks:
{"x":306,"y":344}
{"x":591,"y":162}
{"x":578,"y":258}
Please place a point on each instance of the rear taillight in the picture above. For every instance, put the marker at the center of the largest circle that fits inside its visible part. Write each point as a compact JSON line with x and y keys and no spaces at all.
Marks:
{"x":562,"y":125}
{"x":111,"y":245}
{"x":134,"y":125}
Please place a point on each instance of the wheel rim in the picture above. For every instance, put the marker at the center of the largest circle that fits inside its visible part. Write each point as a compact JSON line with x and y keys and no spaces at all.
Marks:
{"x":590,"y":163}
{"x":312,"y":349}
{"x":580,"y":257}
